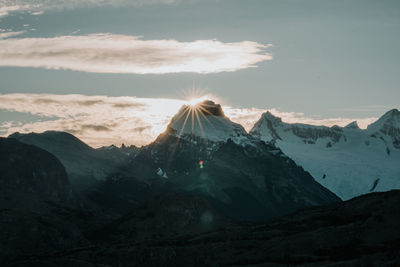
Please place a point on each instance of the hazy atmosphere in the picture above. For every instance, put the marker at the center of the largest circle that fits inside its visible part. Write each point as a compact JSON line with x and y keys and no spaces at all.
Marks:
{"x":319,"y":62}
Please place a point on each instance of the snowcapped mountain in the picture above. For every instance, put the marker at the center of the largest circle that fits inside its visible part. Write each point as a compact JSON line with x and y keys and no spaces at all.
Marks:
{"x":207,"y":121}
{"x":347,"y":160}
{"x":201,"y":152}
{"x":387,"y":126}
{"x":245,"y":178}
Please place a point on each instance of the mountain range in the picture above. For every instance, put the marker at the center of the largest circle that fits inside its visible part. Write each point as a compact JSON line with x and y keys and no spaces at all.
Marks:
{"x":236,"y":169}
{"x":347,"y":160}
{"x":203,"y":174}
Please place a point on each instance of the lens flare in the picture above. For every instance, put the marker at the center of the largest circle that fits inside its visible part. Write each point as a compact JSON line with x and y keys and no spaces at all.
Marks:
{"x":201,"y":164}
{"x":195,"y":101}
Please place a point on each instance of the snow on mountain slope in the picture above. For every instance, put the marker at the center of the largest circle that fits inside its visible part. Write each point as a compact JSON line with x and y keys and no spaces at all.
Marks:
{"x":208,"y":121}
{"x":347,"y":160}
{"x":388,"y":125}
{"x":208,"y":155}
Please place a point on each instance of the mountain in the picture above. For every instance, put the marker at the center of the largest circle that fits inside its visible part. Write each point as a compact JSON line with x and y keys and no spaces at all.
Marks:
{"x":194,"y":196}
{"x":387,"y":126}
{"x":360,"y":232}
{"x":202,"y":153}
{"x":30,"y":176}
{"x":347,"y":160}
{"x":244,"y":178}
{"x":83,"y":163}
{"x":39,"y":212}
{"x":207,"y":121}
{"x":33,"y":183}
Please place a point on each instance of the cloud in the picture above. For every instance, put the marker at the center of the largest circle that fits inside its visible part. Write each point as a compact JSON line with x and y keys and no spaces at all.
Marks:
{"x":111,"y":53}
{"x":105,"y":120}
{"x":96,"y":128}
{"x":38,"y":7}
{"x":6,"y":7}
{"x":5,"y":34}
{"x":98,"y":120}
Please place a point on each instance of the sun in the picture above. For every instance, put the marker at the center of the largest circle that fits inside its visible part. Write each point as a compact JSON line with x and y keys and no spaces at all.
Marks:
{"x":195,"y":101}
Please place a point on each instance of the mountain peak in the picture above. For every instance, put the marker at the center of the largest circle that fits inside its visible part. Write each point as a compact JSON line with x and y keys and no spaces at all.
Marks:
{"x":395,"y":110}
{"x":271,"y":117}
{"x":392,"y":112}
{"x":390,"y":119}
{"x":206,"y":120}
{"x":352,"y":125}
{"x":267,"y":124}
{"x":209,"y":107}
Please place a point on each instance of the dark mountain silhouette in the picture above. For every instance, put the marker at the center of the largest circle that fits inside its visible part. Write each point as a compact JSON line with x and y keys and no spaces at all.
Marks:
{"x":360,"y":232}
{"x":244,"y":182}
{"x":40,"y":213}
{"x":33,"y":183}
{"x":84,"y":164}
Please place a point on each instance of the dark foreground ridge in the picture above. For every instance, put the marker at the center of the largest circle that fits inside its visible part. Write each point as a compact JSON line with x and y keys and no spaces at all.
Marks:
{"x":360,"y":232}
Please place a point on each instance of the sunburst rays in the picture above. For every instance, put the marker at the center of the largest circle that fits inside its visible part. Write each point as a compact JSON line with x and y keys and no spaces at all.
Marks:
{"x":194,"y":113}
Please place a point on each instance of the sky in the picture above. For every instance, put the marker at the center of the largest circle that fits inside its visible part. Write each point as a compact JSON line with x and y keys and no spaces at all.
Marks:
{"x":116,"y":71}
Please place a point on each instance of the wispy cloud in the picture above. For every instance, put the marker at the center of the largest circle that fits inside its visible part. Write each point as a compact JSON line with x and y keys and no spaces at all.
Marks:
{"x":110,"y":53}
{"x":6,"y":34}
{"x":105,"y":120}
{"x":7,"y":7}
{"x":38,"y":7}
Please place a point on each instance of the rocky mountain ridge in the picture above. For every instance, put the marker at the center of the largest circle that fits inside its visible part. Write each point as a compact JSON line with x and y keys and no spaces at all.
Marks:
{"x":347,"y":160}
